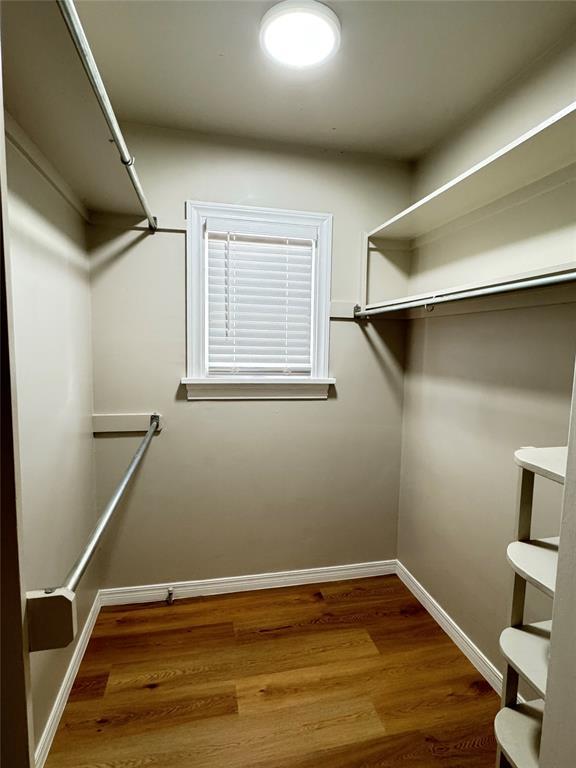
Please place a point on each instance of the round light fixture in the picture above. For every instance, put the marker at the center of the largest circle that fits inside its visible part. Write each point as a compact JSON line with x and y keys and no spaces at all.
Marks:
{"x":300,"y":33}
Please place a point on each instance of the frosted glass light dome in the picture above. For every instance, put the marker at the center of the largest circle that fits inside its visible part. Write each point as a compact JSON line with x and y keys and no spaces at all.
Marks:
{"x":300,"y":33}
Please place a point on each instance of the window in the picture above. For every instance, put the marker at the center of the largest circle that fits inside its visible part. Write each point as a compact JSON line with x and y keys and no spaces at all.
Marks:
{"x":258,"y":302}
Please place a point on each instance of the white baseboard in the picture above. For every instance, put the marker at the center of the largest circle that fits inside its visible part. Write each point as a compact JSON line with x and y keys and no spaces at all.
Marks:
{"x":154,"y":592}
{"x":45,"y":742}
{"x":157,"y":592}
{"x":482,"y":663}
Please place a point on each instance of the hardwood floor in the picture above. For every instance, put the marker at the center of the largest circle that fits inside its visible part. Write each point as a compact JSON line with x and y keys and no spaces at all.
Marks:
{"x":352,"y":674}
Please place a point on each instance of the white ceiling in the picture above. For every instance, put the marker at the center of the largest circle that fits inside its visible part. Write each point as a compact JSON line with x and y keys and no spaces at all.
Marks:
{"x":407,"y":72}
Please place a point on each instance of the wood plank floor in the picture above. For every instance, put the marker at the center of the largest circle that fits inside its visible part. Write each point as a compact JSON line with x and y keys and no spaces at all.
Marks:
{"x":354,"y":674}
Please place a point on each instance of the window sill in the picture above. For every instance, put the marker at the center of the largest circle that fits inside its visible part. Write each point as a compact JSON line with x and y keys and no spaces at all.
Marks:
{"x":245,"y":388}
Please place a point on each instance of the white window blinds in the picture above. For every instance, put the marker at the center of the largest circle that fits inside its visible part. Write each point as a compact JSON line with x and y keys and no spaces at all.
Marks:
{"x":260,"y":303}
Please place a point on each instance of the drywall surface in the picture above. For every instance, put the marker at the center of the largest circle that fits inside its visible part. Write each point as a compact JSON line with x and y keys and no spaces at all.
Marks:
{"x":51,"y":304}
{"x":528,"y":101}
{"x":231,"y":488}
{"x":479,"y":386}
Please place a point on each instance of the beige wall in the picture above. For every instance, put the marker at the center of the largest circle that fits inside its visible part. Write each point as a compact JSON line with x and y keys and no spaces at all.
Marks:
{"x":484,"y":378}
{"x":527,"y":101}
{"x":233,"y":488}
{"x":479,"y":386}
{"x":51,"y":304}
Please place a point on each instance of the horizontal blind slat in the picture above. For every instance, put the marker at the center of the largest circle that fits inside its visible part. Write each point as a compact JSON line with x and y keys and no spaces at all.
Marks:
{"x":265,"y":246}
{"x":255,"y":269}
{"x":296,"y":262}
{"x":250,"y":337}
{"x":260,"y":322}
{"x":257,"y":291}
{"x":262,"y":313}
{"x":222,"y":244}
{"x":225,"y":278}
{"x":231,"y":341}
{"x":258,"y":357}
{"x":256,"y":360}
{"x":259,"y":370}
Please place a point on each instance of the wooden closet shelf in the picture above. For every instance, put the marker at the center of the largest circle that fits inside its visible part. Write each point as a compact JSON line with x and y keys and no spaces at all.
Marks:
{"x":548,"y":462}
{"x":518,"y":733}
{"x":527,"y":649}
{"x":536,"y":561}
{"x":544,"y":149}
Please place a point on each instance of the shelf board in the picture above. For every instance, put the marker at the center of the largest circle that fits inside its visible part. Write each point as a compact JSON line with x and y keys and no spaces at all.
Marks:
{"x":548,"y":462}
{"x":527,"y":649}
{"x":536,"y":561}
{"x":541,"y":151}
{"x":518,"y":733}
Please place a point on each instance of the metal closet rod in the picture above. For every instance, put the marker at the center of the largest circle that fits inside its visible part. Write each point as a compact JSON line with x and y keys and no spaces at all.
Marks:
{"x":77,"y":571}
{"x":70,"y":15}
{"x":429,"y":302}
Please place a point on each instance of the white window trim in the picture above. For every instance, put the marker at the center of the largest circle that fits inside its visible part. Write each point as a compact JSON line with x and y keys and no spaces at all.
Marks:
{"x":199,"y":386}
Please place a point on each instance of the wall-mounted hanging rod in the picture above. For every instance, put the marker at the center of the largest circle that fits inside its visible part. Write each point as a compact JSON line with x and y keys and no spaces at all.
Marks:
{"x":51,"y":612}
{"x":444,"y":297}
{"x":78,"y":35}
{"x":77,"y":571}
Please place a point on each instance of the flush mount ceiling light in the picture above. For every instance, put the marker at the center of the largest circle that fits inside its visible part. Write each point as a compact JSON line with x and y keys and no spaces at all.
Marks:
{"x":300,"y":33}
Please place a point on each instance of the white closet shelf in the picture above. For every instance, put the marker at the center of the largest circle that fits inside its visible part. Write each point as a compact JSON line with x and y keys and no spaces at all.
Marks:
{"x":544,"y":149}
{"x":548,"y":462}
{"x":518,"y":733}
{"x":527,"y":648}
{"x":536,"y":561}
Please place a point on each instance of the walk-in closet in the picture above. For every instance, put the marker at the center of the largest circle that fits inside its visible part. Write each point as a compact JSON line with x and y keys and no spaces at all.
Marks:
{"x":288,"y":407}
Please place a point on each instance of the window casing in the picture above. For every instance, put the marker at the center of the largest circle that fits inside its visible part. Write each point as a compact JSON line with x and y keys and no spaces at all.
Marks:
{"x":258,"y":302}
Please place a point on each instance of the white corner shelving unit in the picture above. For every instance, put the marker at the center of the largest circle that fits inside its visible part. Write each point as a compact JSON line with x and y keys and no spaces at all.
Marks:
{"x":526,"y":647}
{"x":544,"y":150}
